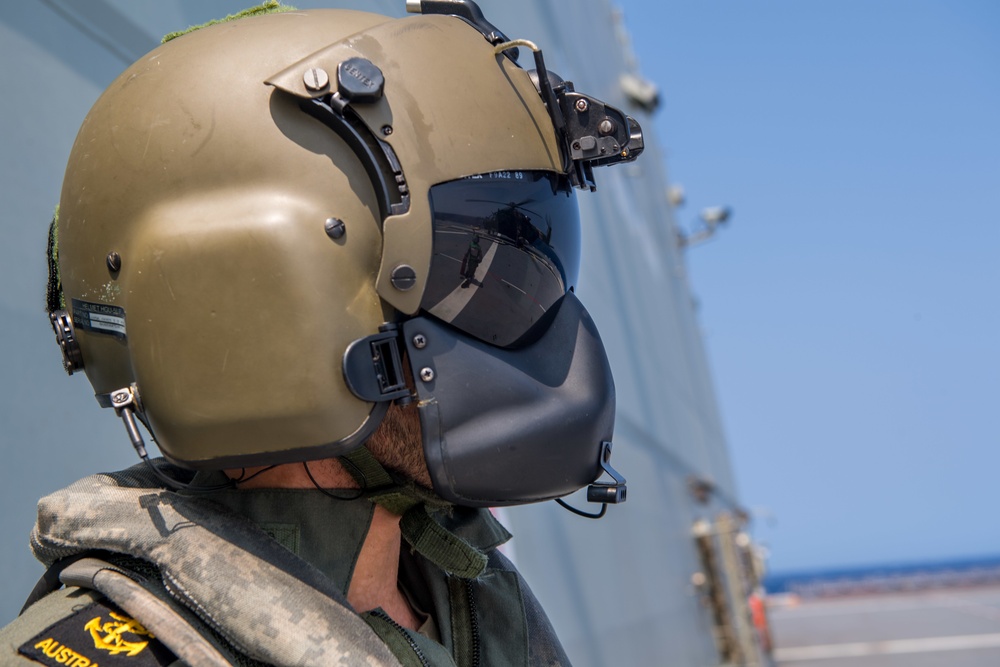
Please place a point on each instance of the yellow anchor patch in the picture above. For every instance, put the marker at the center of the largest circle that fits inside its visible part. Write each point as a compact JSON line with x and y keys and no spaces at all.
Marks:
{"x":108,"y":636}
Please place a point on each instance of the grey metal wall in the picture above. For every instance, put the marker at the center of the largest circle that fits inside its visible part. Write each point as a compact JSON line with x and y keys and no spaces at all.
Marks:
{"x":617,"y":590}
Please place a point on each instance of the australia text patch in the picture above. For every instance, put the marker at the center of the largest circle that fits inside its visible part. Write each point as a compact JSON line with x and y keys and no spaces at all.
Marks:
{"x":99,"y":634}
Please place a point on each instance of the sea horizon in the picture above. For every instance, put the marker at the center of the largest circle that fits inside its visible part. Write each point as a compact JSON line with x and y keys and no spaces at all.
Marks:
{"x":886,"y":576}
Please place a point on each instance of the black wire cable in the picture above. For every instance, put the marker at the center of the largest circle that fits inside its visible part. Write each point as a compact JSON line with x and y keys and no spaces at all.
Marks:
{"x":128,"y":417}
{"x":595,"y":515}
{"x":243,"y":472}
{"x":326,"y":492}
{"x":177,"y":485}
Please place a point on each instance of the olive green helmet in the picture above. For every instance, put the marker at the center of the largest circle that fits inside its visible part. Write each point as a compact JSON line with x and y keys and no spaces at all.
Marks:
{"x":251,"y":199}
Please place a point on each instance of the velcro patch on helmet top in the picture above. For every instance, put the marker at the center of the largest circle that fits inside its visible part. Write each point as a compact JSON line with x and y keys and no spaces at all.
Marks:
{"x":99,"y":318}
{"x":54,"y":297}
{"x":267,"y":7}
{"x":98,"y":634}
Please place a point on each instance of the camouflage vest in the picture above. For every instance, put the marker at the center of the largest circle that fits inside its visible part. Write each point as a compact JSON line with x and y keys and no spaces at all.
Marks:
{"x":231,"y":581}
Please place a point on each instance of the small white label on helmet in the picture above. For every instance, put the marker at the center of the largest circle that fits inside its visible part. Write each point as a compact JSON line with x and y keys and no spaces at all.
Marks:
{"x":99,"y":318}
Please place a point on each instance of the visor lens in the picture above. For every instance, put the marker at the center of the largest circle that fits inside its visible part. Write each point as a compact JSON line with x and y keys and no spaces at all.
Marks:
{"x":506,"y":248}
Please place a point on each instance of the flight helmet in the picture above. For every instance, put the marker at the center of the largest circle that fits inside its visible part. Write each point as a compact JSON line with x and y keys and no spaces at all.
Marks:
{"x":262,"y":230}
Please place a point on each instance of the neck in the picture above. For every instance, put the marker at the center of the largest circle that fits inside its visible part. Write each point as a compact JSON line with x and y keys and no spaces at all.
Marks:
{"x":377,"y":571}
{"x":374,"y":582}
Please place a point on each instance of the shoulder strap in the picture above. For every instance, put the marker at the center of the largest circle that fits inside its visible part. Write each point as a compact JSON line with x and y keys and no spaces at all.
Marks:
{"x":49,"y":581}
{"x":424,"y":535}
{"x":164,"y":622}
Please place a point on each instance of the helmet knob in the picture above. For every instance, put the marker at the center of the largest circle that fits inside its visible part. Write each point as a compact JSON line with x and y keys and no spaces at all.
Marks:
{"x":359,"y":80}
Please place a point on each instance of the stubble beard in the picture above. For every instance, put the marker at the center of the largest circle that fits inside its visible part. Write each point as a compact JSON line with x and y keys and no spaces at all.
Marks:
{"x":397,"y":444}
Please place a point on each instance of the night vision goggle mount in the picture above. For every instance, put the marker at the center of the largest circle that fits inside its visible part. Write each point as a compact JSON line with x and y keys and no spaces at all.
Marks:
{"x":592,"y":133}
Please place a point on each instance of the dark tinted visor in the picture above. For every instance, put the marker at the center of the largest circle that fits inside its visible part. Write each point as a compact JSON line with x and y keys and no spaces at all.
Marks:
{"x":506,"y":248}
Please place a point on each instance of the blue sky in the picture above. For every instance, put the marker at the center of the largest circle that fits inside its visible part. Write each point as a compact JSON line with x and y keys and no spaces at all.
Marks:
{"x":850,"y":309}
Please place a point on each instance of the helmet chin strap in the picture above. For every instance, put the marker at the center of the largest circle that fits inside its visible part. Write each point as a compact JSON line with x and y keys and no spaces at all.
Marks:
{"x":415,"y":505}
{"x":384,"y":488}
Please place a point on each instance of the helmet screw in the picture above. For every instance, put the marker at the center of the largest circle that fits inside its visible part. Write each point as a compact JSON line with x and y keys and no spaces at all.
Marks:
{"x":420,"y":341}
{"x":114,"y":262}
{"x":334,"y":228}
{"x":582,"y":105}
{"x":426,"y":373}
{"x":606,"y":127}
{"x":403,"y":277}
{"x":387,"y":130}
{"x":316,"y":79}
